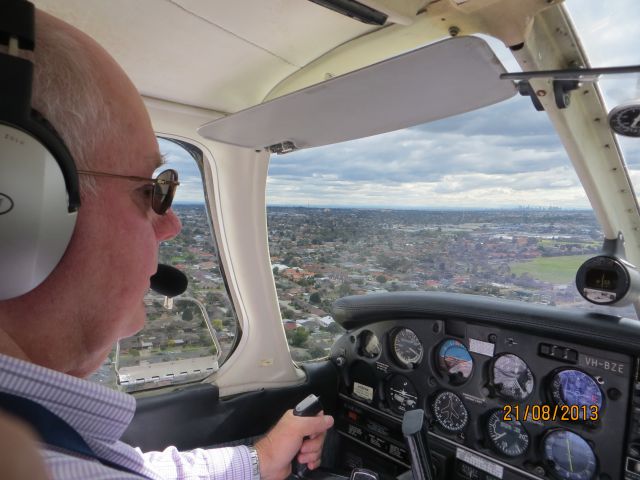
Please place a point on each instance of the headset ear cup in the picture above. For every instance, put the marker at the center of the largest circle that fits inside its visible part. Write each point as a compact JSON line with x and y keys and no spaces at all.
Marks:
{"x":35,"y":222}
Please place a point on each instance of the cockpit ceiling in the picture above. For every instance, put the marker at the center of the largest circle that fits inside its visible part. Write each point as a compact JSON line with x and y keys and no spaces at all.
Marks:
{"x":219,"y":55}
{"x":227,"y":56}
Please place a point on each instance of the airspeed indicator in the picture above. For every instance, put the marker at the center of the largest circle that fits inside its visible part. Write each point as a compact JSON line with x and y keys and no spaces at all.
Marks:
{"x":407,"y":348}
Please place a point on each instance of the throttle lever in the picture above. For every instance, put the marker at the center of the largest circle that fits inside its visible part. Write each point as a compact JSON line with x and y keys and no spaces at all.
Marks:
{"x":416,"y":437}
{"x":309,"y":407}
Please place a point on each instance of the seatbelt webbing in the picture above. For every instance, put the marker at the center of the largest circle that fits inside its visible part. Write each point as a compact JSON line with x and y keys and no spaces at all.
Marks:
{"x":52,"y":429}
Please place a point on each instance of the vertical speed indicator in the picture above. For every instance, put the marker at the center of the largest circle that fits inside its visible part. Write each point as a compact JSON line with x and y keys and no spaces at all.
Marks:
{"x":406,"y":348}
{"x":508,"y":438}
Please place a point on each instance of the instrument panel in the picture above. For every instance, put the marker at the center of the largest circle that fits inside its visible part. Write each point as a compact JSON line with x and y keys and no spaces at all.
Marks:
{"x":499,"y":402}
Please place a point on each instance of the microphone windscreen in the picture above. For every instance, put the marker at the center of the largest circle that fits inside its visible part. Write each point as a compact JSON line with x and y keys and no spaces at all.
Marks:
{"x":169,"y":281}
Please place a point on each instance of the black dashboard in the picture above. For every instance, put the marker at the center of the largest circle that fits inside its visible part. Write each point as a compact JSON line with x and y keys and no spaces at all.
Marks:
{"x":509,"y":390}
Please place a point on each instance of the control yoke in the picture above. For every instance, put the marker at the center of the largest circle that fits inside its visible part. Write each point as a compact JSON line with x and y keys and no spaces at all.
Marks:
{"x":309,"y":407}
{"x":416,"y":436}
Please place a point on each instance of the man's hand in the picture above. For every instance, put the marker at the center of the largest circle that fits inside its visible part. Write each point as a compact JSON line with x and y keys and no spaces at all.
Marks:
{"x":277,"y":449}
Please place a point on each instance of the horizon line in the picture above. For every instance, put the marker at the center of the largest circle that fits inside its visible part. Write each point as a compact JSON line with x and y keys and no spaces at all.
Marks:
{"x":418,"y":208}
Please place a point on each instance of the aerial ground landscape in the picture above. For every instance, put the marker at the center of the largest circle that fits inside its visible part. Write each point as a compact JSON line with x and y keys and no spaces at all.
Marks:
{"x":321,"y":254}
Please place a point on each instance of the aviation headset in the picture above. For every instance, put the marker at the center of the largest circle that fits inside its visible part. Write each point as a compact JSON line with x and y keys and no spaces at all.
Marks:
{"x":39,"y":193}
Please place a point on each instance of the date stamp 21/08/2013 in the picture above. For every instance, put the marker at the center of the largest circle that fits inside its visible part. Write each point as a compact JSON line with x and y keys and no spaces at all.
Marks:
{"x":545,"y":413}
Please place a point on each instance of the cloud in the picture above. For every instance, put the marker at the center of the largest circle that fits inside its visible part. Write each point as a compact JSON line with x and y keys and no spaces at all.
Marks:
{"x":506,"y":154}
{"x":176,"y":157}
{"x":608,"y":30}
{"x":421,"y":155}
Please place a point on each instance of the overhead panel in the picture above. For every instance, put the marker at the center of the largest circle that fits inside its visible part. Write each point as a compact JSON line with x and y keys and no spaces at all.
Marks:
{"x":447,"y":78}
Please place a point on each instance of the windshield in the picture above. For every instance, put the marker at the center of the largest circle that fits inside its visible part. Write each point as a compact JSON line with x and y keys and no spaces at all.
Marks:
{"x":485,"y":203}
{"x":606,"y":31}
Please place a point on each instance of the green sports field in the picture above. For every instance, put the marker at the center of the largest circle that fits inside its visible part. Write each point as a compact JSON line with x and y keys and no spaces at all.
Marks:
{"x":551,"y":269}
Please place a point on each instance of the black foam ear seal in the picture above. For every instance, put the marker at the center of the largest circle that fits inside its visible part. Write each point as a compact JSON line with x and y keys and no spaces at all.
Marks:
{"x":50,"y":137}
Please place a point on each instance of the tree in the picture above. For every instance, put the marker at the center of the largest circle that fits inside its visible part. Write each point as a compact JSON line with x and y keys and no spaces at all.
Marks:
{"x":187,"y":315}
{"x":315,"y":298}
{"x":299,"y":337}
{"x":287,"y":312}
{"x":344,"y":289}
{"x":381,"y":279}
{"x":217,"y":324}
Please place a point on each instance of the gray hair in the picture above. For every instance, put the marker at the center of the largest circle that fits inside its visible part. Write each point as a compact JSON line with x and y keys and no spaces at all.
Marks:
{"x":67,"y":92}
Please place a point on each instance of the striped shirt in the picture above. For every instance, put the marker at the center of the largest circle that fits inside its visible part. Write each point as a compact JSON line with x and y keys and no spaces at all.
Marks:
{"x":101,"y":416}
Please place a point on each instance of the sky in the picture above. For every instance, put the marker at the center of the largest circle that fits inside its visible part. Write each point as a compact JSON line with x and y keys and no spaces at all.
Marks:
{"x":502,"y":156}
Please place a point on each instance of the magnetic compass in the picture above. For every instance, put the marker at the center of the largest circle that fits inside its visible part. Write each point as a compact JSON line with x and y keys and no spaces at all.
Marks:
{"x":625,"y":119}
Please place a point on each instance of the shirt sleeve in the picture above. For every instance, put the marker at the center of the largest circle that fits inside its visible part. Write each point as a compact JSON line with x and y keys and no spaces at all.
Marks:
{"x":229,"y":463}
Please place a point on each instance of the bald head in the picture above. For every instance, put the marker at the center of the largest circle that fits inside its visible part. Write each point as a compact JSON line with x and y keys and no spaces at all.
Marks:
{"x":65,"y":89}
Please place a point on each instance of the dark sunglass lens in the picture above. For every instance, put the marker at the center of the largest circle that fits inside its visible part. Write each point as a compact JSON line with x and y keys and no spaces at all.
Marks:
{"x":164,"y":191}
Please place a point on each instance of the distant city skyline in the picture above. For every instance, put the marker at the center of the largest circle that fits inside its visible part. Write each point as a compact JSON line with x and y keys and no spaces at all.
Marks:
{"x":461,"y":162}
{"x":425,"y":208}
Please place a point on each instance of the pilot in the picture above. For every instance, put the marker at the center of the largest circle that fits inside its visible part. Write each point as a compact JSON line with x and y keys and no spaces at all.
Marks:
{"x":57,"y":334}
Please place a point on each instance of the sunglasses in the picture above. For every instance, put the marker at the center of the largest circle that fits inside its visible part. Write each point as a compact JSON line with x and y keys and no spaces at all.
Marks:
{"x":164,"y":187}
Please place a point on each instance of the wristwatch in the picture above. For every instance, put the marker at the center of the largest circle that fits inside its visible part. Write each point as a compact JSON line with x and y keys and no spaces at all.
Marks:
{"x":255,"y":463}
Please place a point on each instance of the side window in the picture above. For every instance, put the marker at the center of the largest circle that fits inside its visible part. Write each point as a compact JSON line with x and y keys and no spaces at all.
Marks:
{"x":187,"y":338}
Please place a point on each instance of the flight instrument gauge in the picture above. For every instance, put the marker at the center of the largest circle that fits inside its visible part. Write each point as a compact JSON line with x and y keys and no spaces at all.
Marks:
{"x":369,"y":344}
{"x":401,"y":394}
{"x":509,"y":438}
{"x":454,"y":361}
{"x":569,"y":456}
{"x":512,"y":378}
{"x":450,"y":412}
{"x":625,"y":119}
{"x":407,"y":348}
{"x":573,"y":387}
